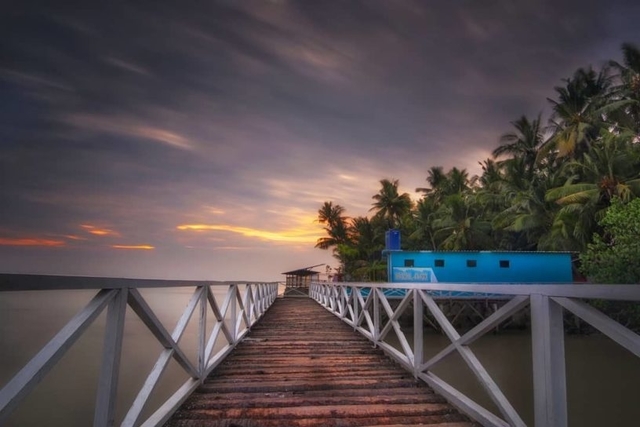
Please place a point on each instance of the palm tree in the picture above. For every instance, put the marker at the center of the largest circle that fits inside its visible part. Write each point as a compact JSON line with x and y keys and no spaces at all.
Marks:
{"x":443,"y":185}
{"x":523,"y":144}
{"x":458,"y":181}
{"x":335,"y":225}
{"x":580,"y":112}
{"x":389,"y":204}
{"x":528,"y":217}
{"x":491,"y":173}
{"x":422,"y":237}
{"x":460,"y":227}
{"x":605,"y":172}
{"x":438,"y":184}
{"x":629,"y":89}
{"x":366,"y":238}
{"x":330,"y":214}
{"x":368,"y":243}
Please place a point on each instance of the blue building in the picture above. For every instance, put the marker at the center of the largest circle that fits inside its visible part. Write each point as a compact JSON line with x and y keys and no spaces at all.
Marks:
{"x":476,"y":267}
{"x":479,"y":267}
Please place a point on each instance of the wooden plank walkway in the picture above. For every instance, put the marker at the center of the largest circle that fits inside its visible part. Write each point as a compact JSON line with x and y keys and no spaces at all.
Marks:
{"x":300,"y":366}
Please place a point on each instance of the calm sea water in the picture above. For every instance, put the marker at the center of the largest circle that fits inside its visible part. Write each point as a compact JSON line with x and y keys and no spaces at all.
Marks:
{"x":602,"y":378}
{"x":66,"y":396}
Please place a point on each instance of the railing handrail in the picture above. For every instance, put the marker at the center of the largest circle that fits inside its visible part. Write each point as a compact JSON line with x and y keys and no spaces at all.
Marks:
{"x":36,"y":282}
{"x":365,"y":312}
{"x":629,"y":292}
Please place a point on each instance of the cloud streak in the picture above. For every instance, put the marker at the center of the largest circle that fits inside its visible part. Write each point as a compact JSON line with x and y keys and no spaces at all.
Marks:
{"x":134,"y":247}
{"x":289,"y":236}
{"x":31,"y":241}
{"x":99,"y":231}
{"x":129,"y":128}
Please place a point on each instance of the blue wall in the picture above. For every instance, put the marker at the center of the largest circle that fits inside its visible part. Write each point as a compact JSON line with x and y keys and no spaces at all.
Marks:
{"x":523,"y":267}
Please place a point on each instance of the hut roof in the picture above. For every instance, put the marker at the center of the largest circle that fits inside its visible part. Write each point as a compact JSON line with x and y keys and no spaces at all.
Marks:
{"x":307,"y":271}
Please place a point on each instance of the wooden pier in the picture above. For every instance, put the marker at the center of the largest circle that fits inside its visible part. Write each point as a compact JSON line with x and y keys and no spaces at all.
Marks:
{"x":302,"y":366}
{"x":323,"y":359}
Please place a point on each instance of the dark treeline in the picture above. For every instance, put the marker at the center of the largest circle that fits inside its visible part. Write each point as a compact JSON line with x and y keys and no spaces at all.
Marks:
{"x":547,"y":186}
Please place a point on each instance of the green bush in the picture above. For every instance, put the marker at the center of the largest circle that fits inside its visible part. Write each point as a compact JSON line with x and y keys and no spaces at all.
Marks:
{"x":614,"y":256}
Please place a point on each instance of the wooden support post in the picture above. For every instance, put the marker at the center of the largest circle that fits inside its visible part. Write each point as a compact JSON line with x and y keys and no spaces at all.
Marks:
{"x":549,"y":378}
{"x":233,"y":290}
{"x":202,"y":333}
{"x":376,"y":317}
{"x":356,"y":304}
{"x":418,"y":333}
{"x":108,"y":382}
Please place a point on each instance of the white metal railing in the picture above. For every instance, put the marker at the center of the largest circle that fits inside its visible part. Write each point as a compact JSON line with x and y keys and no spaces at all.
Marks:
{"x":362,"y":305}
{"x":243,"y":304}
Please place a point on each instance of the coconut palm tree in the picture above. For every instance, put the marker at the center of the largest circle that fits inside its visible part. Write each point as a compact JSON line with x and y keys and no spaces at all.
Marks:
{"x":445,"y":184}
{"x":523,"y":144}
{"x":629,"y":88}
{"x":605,"y":172}
{"x":459,"y":225}
{"x":581,"y":110}
{"x":491,"y":173}
{"x":458,"y":181}
{"x":389,"y":204}
{"x":330,"y":214}
{"x":335,"y":225}
{"x":367,"y":240}
{"x":438,"y":184}
{"x":528,"y":217}
{"x":422,"y":236}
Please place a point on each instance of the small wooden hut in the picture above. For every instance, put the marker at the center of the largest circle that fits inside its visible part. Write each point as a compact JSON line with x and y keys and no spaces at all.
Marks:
{"x":297,"y":281}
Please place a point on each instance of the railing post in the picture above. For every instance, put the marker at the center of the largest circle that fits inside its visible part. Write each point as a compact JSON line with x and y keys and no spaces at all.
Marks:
{"x":418,"y":336}
{"x":108,"y":382}
{"x":356,"y":306}
{"x":234,"y":295}
{"x":549,"y":378}
{"x":256,"y":300}
{"x":202,"y":333}
{"x":376,"y":316}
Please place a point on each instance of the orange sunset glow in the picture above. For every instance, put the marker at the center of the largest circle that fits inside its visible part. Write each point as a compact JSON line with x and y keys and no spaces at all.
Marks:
{"x":26,"y":241}
{"x":140,"y":247}
{"x":300,"y":235}
{"x":98,"y":231}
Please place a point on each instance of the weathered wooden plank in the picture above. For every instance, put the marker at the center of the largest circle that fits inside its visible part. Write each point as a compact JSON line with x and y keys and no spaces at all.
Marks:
{"x":335,"y":411}
{"x":265,"y":369}
{"x":302,"y":385}
{"x":301,"y":366}
{"x":371,"y":393}
{"x":275,"y":400}
{"x":450,"y":420}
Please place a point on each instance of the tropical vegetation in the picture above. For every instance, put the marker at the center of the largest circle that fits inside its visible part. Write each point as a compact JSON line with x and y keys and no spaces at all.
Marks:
{"x":549,"y":185}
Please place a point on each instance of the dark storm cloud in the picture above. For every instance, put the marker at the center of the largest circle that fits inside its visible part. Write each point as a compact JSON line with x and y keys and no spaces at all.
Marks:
{"x":246,"y":115}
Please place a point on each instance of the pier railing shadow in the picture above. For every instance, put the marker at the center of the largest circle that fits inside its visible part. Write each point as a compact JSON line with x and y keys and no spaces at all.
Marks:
{"x":367,"y":307}
{"x":241,"y":307}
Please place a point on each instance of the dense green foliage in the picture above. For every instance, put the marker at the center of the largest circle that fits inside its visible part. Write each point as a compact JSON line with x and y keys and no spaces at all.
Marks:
{"x":546,"y":186}
{"x":613,"y":256}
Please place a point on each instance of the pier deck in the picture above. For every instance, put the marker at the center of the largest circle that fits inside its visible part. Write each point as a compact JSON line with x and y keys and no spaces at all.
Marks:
{"x":302,"y":366}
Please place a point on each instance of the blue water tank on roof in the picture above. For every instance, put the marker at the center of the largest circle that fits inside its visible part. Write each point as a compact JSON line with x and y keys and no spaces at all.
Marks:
{"x":392,"y":240}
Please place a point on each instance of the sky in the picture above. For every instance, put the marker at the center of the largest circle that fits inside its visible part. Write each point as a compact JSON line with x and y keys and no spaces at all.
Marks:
{"x":197,"y":140}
